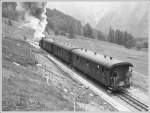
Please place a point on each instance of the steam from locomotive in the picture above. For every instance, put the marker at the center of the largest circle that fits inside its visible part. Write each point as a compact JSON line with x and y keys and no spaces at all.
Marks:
{"x":34,"y":15}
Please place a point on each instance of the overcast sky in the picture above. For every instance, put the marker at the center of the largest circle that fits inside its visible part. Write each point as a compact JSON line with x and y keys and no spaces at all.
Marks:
{"x":88,"y":11}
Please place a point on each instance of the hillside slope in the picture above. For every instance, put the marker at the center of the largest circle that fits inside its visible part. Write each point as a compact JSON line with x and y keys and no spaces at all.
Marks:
{"x":60,"y":21}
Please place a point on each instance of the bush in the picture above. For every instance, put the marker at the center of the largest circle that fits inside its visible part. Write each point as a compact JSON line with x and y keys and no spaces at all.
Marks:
{"x":121,"y":38}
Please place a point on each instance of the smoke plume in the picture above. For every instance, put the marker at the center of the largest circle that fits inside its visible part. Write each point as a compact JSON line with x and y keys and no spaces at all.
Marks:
{"x":34,"y":16}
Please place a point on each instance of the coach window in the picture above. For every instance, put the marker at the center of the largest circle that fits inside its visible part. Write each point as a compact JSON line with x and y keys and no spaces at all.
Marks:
{"x":87,"y":63}
{"x":80,"y":59}
{"x":94,"y":67}
{"x":98,"y":66}
{"x":77,"y":57}
{"x":102,"y":69}
{"x":61,"y":51}
{"x":56,"y":48}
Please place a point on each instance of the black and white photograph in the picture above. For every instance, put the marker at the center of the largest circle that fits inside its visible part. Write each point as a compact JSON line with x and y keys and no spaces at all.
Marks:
{"x":75,"y":56}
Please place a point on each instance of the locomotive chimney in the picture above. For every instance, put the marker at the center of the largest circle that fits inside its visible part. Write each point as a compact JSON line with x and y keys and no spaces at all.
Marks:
{"x":110,"y":58}
{"x":104,"y":56}
{"x":95,"y":53}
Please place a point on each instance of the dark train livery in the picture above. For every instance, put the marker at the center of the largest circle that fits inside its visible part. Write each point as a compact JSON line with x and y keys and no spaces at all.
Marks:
{"x":109,"y":71}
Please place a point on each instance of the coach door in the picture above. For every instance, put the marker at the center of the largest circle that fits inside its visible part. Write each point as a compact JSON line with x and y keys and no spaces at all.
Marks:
{"x":115,"y":78}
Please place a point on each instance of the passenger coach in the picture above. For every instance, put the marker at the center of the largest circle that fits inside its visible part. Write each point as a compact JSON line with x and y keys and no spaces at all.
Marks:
{"x":109,"y":71}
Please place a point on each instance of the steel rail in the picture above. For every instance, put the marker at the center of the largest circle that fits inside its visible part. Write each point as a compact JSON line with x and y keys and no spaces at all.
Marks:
{"x":133,"y":102}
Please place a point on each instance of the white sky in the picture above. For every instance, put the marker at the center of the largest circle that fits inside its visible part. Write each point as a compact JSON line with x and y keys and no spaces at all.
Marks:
{"x":88,"y":11}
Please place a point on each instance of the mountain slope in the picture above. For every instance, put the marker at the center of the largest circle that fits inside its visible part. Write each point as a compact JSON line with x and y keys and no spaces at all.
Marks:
{"x":132,"y":18}
{"x":60,"y":21}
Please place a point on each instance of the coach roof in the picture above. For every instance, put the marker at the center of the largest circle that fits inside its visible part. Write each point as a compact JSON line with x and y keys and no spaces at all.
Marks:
{"x":104,"y":60}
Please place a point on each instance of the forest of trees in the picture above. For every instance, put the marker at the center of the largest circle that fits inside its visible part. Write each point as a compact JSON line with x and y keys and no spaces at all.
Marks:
{"x":121,"y":37}
{"x":60,"y":22}
{"x":90,"y":32}
{"x":9,"y":10}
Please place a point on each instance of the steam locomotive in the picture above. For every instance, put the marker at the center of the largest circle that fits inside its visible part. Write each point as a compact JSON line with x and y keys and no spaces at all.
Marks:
{"x":110,"y":72}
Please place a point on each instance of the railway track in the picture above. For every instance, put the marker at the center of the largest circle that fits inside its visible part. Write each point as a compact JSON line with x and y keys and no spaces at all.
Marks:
{"x":133,"y":101}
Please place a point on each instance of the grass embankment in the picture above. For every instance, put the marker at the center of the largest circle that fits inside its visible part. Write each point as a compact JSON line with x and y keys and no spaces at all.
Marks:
{"x":23,"y":87}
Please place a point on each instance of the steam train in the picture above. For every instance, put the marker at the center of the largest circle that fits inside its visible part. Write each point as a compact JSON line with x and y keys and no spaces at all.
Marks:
{"x":112,"y":73}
